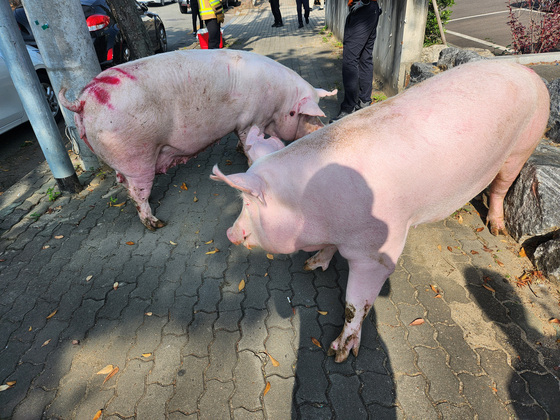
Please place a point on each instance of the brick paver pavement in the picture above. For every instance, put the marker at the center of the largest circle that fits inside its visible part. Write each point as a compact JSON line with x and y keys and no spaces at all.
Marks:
{"x":189,"y":344}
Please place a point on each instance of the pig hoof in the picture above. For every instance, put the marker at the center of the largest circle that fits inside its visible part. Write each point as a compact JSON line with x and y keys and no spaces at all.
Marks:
{"x":496,"y":231}
{"x":153,"y":225}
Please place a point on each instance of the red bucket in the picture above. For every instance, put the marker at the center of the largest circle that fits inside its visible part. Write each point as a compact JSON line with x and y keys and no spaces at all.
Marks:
{"x":203,"y":38}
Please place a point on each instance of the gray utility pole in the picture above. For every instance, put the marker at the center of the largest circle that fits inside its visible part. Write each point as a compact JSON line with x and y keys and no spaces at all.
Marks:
{"x":135,"y":33}
{"x":63,"y":38}
{"x":34,"y":101}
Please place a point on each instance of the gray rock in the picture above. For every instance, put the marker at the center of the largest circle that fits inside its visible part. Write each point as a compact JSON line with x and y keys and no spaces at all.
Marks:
{"x":554,"y":120}
{"x":420,"y":72}
{"x":531,"y":205}
{"x":547,"y":259}
{"x":451,"y":57}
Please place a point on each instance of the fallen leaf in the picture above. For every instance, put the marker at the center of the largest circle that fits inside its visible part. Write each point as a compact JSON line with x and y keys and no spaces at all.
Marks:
{"x":53,"y":314}
{"x":417,"y":321}
{"x":11,"y":383}
{"x":116,"y":285}
{"x":450,"y":249}
{"x":4,"y":387}
{"x":554,"y":321}
{"x":460,"y":219}
{"x":130,"y":243}
{"x":197,"y":232}
{"x":59,"y":237}
{"x":486,"y":279}
{"x":119,"y":205}
{"x":480,"y":229}
{"x":149,"y":313}
{"x":439,"y":247}
{"x":241,"y":285}
{"x":195,"y":199}
{"x":213,"y":252}
{"x":522,"y":253}
{"x":270,"y":256}
{"x":293,"y":310}
{"x":30,"y":328}
{"x":110,"y":375}
{"x":107,"y":369}
{"x":266,"y":388}
{"x":209,"y":242}
{"x":474,"y":252}
{"x":184,"y":186}
{"x":75,"y":342}
{"x":501,"y":264}
{"x":495,"y":390}
{"x":323,"y":312}
{"x":146,"y":354}
{"x":88,"y":278}
{"x":275,"y":362}
{"x":46,"y":342}
{"x":228,"y":162}
{"x":316,"y":342}
{"x":46,"y":247}
{"x":97,"y":415}
{"x":434,"y":288}
{"x":437,"y":296}
{"x":485,"y":248}
{"x":488,"y":288}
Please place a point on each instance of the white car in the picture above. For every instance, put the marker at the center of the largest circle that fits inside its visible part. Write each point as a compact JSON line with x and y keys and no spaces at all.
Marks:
{"x":12,"y":113}
{"x":160,"y":2}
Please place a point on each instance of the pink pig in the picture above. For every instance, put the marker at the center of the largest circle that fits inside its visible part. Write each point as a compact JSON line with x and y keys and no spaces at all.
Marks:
{"x":359,"y":184}
{"x":149,"y":115}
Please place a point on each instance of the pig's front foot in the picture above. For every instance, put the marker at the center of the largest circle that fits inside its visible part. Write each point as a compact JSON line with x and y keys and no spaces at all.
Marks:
{"x":153,"y":224}
{"x":349,"y":339}
{"x":497,"y":228}
{"x":321,"y":258}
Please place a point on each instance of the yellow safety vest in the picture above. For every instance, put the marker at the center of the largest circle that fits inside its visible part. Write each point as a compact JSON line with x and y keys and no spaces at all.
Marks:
{"x":209,"y":9}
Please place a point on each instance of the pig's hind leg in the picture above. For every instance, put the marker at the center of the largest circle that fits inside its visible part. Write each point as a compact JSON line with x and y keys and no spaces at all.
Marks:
{"x":139,"y":191}
{"x":321,"y":259}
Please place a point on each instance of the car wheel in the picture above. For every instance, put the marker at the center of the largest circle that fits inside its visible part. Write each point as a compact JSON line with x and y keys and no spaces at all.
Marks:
{"x":162,"y":39}
{"x":51,"y":96}
{"x":126,"y":53}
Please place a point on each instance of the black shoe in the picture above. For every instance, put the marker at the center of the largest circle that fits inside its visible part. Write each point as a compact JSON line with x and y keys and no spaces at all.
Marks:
{"x":361,"y":105}
{"x":307,"y":20}
{"x":341,"y":115}
{"x":277,"y":25}
{"x":300,"y":26}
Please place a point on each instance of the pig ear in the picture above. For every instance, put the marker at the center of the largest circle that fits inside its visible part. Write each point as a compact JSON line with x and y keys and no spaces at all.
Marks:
{"x":248,"y":183}
{"x":322,"y":92}
{"x":308,"y":106}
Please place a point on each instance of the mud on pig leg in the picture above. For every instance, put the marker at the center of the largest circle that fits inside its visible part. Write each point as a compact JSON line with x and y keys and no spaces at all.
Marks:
{"x":139,"y":191}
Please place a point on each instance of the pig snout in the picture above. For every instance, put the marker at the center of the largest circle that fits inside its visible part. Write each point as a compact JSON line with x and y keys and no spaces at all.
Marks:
{"x":233,"y":237}
{"x":238,"y":236}
{"x":308,"y":124}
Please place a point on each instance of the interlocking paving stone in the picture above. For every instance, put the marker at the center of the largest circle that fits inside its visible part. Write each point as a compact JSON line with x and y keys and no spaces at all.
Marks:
{"x":214,"y":403}
{"x":346,"y":403}
{"x":416,"y":405}
{"x":249,"y":383}
{"x":189,"y":385}
{"x":152,"y":405}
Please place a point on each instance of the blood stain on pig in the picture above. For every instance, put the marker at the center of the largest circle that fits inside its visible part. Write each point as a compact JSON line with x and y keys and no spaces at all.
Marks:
{"x":130,"y":76}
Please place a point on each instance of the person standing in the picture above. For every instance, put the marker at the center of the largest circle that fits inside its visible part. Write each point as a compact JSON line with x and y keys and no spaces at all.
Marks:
{"x":212,"y":14}
{"x":360,"y":31}
{"x":305,"y":4}
{"x":196,"y":16}
{"x":275,"y":7}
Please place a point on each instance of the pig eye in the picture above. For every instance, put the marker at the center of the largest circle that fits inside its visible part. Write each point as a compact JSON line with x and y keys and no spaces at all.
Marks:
{"x":292,"y":113}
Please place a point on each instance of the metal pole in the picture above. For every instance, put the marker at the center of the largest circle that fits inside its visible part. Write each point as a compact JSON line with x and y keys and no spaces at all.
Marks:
{"x":436,"y":11}
{"x":62,"y":36}
{"x":34,"y":101}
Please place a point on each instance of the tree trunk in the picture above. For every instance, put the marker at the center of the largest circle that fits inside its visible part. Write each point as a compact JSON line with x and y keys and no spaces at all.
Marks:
{"x":128,"y":18}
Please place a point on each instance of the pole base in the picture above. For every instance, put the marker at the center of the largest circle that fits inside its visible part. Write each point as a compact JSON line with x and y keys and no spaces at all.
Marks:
{"x":70,"y":184}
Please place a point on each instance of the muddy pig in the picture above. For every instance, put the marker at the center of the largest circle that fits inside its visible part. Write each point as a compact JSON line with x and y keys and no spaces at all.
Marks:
{"x":149,"y":115}
{"x":359,"y":184}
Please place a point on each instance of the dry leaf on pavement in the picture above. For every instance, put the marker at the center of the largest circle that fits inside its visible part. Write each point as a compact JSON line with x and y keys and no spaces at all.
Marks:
{"x":184,"y":186}
{"x":46,"y":342}
{"x":52,"y":314}
{"x":107,"y":369}
{"x":316,"y":342}
{"x":270,"y":256}
{"x":275,"y":362}
{"x":209,"y":242}
{"x":554,"y":321}
{"x":267,"y":388}
{"x":98,"y":415}
{"x":417,"y":321}
{"x":488,"y":288}
{"x":241,"y":285}
{"x":130,"y":243}
{"x":323,"y":312}
{"x":213,"y":252}
{"x":111,"y":374}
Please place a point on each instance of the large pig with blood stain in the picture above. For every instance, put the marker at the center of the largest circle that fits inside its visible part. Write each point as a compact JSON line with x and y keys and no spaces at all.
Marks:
{"x":359,"y":184}
{"x":148,"y":115}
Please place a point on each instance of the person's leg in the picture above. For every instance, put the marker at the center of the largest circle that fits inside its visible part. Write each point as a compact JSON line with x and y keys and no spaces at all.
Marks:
{"x":299,"y":4}
{"x":366,"y":58}
{"x":213,"y":34}
{"x":307,"y":10}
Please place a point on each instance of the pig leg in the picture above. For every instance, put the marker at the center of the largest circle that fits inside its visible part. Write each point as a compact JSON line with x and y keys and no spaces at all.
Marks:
{"x":321,"y":258}
{"x":139,"y":191}
{"x":365,"y":280}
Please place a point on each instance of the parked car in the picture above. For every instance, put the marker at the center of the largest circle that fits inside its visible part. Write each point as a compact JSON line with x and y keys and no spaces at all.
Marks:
{"x":108,"y":40}
{"x":12,"y":113}
{"x":185,"y":6}
{"x":160,"y":2}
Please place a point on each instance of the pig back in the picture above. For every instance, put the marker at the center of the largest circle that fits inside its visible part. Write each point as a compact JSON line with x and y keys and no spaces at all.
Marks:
{"x":425,"y":152}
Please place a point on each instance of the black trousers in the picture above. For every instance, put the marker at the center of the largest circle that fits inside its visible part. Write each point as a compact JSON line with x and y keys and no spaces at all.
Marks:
{"x":275,"y":7}
{"x":213,"y":33}
{"x":299,"y":4}
{"x":196,"y":15}
{"x":360,"y":32}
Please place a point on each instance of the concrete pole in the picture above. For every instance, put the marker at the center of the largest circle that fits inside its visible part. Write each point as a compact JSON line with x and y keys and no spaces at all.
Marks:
{"x":34,"y":102}
{"x":64,"y":41}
